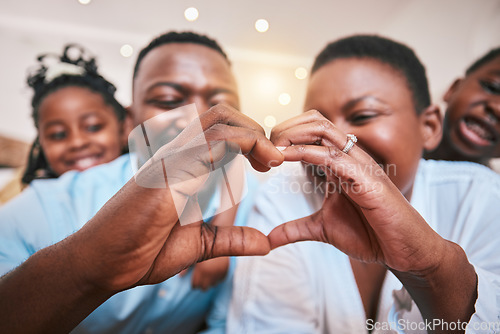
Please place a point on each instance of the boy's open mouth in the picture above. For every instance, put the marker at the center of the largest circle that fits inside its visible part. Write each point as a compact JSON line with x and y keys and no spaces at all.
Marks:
{"x":477,"y":132}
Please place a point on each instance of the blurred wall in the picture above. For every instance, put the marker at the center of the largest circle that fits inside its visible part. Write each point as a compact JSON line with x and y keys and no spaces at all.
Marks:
{"x":446,"y":34}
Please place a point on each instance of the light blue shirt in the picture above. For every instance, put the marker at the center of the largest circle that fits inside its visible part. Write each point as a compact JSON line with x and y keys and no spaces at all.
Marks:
{"x":50,"y":210}
{"x":309,"y":287}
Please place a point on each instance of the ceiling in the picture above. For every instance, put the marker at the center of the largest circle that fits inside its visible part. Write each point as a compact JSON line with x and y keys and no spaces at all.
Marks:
{"x":447,"y":35}
{"x":296,"y":27}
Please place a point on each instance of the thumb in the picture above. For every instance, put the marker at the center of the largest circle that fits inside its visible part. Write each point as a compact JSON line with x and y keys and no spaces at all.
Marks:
{"x":232,"y":241}
{"x":303,"y":229}
{"x":313,"y":227}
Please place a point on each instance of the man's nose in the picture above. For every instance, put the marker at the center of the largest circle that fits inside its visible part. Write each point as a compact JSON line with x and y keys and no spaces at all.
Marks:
{"x":202,"y":104}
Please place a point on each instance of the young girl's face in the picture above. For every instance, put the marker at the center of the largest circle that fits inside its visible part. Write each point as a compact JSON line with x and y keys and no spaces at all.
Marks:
{"x":78,"y":130}
{"x":371,"y":100}
{"x":472,"y":122}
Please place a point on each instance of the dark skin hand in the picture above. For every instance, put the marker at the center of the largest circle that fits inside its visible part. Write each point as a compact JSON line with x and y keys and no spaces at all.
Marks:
{"x":135,"y":239}
{"x":209,"y":273}
{"x":371,"y":221}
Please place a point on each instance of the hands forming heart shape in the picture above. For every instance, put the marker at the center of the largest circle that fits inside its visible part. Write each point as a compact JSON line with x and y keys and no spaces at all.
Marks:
{"x":136,"y":238}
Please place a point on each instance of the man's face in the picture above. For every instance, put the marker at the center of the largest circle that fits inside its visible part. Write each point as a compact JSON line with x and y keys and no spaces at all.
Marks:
{"x":177,"y":74}
{"x":472,"y":121}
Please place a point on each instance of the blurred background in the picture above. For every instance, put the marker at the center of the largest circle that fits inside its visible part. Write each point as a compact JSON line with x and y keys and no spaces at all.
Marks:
{"x":271,"y":65}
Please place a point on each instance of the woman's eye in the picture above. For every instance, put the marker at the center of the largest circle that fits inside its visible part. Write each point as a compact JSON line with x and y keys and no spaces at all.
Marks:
{"x":492,"y":87}
{"x":362,"y":117}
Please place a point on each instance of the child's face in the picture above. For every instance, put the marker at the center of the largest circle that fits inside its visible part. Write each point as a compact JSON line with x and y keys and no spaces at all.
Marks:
{"x":472,"y":121}
{"x":372,"y":100}
{"x":78,"y":130}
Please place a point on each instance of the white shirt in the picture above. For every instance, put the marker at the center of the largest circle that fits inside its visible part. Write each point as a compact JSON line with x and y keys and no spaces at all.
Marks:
{"x":309,"y":287}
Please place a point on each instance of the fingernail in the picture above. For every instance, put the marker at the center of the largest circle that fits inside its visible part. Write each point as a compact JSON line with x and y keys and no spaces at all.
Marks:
{"x":281,"y":148}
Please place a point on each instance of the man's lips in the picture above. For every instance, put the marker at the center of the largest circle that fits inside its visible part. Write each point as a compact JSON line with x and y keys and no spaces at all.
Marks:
{"x":477,"y":132}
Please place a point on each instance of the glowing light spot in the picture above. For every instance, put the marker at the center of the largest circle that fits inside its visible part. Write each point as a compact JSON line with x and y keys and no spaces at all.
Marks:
{"x":270,"y":121}
{"x":300,"y":73}
{"x":261,"y":25}
{"x":126,"y":50}
{"x":284,"y":99}
{"x":191,"y":14}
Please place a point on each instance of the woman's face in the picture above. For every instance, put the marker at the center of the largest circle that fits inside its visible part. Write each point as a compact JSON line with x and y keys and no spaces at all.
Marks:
{"x":78,"y":130}
{"x":372,"y":100}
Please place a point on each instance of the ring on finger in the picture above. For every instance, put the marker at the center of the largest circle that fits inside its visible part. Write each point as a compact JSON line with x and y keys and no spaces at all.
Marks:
{"x":351,"y":139}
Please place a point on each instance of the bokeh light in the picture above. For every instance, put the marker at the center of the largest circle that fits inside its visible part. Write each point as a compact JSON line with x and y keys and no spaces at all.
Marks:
{"x":284,"y":99}
{"x":261,"y":25}
{"x":191,"y":14}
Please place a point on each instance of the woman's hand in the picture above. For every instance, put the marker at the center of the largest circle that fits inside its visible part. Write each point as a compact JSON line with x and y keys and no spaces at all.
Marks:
{"x":363,"y":214}
{"x":370,"y":220}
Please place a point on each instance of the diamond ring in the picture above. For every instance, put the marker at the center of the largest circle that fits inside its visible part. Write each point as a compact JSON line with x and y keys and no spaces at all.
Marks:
{"x":351,"y":139}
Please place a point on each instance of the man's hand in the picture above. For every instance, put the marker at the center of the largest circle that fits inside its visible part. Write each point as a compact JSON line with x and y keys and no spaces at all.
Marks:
{"x":140,"y":240}
{"x":136,"y":238}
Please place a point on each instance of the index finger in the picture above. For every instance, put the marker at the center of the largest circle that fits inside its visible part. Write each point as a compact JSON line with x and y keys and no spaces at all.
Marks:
{"x":222,"y":122}
{"x":307,"y":117}
{"x":225,"y":114}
